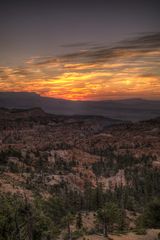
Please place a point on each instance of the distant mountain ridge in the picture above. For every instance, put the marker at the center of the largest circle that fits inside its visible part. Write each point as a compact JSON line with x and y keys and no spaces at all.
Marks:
{"x":127,"y":109}
{"x":6,"y":113}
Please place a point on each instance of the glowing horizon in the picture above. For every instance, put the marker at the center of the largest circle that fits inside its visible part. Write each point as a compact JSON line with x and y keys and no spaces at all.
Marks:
{"x":129,"y":69}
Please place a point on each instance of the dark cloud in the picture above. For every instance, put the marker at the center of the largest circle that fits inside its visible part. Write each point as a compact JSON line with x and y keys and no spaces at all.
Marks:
{"x":80,"y":44}
{"x":151,"y":41}
{"x":135,"y":47}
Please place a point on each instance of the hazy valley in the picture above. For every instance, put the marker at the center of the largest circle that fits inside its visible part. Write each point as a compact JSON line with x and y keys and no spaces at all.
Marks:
{"x":135,"y":109}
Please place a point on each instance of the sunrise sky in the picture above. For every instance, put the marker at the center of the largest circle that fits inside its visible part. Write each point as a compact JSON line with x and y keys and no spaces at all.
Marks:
{"x":81,"y":50}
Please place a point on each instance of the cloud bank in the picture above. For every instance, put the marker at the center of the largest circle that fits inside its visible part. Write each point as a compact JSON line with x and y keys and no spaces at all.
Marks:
{"x":130,"y":68}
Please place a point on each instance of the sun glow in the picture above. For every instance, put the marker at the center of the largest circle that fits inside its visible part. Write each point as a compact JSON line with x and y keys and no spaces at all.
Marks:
{"x":127,"y":81}
{"x":90,"y":75}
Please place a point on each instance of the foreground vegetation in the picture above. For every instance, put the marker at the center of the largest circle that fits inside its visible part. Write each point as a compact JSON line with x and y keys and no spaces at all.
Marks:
{"x":62,"y":214}
{"x":45,"y":219}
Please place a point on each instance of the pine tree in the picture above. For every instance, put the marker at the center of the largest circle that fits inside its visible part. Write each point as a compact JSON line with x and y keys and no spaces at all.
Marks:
{"x":108,"y":215}
{"x":68,"y":219}
{"x":79,"y":223}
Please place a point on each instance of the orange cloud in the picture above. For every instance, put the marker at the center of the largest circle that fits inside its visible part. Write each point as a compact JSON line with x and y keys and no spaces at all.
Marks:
{"x":130,"y":69}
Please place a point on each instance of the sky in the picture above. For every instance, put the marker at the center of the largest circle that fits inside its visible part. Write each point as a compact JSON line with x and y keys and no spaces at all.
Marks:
{"x":81,"y":50}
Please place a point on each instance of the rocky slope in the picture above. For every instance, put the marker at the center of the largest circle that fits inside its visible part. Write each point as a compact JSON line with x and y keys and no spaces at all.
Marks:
{"x":85,"y":161}
{"x":73,"y":149}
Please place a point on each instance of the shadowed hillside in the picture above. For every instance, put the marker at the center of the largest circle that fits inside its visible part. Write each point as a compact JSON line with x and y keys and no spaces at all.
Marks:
{"x":129,"y":109}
